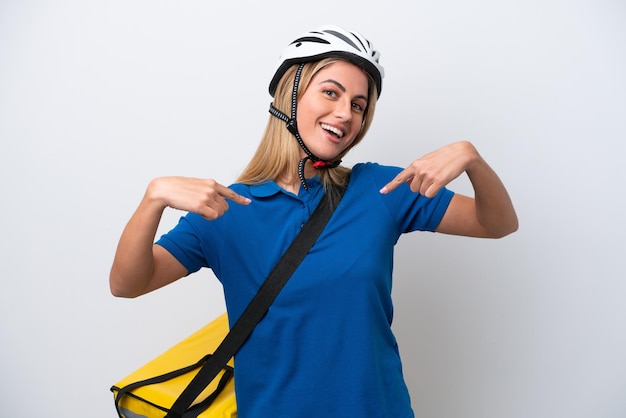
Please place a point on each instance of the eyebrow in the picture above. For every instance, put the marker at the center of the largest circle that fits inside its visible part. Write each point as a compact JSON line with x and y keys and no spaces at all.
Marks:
{"x":342,"y":88}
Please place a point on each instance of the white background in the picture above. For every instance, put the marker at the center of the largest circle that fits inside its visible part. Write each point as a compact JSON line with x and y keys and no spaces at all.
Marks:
{"x":97,"y":98}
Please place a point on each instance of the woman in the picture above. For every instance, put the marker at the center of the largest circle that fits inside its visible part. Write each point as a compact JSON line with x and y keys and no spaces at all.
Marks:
{"x":325,"y":348}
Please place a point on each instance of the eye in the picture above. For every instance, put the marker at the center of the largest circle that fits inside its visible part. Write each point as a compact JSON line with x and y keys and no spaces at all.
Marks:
{"x":359,"y":107}
{"x":329,"y":93}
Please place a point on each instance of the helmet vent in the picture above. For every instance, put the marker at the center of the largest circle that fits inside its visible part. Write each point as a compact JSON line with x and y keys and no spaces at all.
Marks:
{"x":343,"y":38}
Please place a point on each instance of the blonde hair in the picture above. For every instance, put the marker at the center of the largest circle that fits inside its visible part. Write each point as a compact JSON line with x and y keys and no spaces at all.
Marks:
{"x":278,"y":152}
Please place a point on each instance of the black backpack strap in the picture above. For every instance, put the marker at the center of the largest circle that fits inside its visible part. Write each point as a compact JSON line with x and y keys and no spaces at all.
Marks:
{"x":259,"y":305}
{"x":127,"y":390}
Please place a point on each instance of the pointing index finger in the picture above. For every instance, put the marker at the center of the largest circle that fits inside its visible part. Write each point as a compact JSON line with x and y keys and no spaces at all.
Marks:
{"x":233,"y":196}
{"x":237,"y":198}
{"x":397,"y":181}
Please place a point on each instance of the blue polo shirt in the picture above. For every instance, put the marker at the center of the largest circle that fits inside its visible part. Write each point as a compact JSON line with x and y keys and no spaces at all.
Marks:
{"x":325,"y":348}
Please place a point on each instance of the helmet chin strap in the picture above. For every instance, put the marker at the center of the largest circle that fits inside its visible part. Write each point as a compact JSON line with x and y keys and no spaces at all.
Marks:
{"x":292,"y":127}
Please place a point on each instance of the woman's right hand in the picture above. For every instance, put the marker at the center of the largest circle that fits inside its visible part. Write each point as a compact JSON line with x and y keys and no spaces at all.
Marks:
{"x":139,"y":265}
{"x":206,"y":197}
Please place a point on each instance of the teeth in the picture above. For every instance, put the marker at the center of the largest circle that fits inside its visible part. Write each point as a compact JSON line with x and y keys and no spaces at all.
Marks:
{"x":332,"y":129}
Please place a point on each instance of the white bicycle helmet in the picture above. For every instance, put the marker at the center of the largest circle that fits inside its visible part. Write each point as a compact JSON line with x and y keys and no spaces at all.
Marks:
{"x":330,"y":41}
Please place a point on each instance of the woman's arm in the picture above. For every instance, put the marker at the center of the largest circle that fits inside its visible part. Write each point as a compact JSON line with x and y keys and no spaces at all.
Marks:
{"x":489,"y":214}
{"x":139,"y":266}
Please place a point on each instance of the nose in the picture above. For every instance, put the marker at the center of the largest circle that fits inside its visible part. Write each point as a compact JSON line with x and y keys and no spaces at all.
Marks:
{"x":343,"y":109}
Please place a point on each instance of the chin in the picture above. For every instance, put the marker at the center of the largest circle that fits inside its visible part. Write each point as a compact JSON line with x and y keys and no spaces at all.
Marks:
{"x":329,"y":154}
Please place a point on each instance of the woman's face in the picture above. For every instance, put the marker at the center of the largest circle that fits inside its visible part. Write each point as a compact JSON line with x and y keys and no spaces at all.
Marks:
{"x":331,"y":109}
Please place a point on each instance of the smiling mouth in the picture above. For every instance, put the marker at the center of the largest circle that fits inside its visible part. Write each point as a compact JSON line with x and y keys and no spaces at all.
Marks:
{"x":337,"y":132}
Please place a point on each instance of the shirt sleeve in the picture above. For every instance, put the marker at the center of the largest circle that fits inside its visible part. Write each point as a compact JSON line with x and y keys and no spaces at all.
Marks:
{"x":185,"y":244}
{"x":412,"y":211}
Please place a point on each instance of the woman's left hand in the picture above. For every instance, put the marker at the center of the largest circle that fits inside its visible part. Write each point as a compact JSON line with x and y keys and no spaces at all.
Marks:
{"x":428,"y":174}
{"x":489,"y":214}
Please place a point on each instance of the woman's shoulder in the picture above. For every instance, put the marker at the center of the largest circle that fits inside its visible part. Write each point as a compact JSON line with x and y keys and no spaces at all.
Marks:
{"x":371,"y":176}
{"x":374,"y":169}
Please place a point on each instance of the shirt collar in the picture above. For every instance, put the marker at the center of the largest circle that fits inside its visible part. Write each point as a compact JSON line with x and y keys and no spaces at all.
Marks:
{"x":270,"y":188}
{"x":267,"y":189}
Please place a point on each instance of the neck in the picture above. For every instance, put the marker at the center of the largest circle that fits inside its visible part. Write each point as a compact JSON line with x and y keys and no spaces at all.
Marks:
{"x":291,"y":181}
{"x":290,"y":185}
